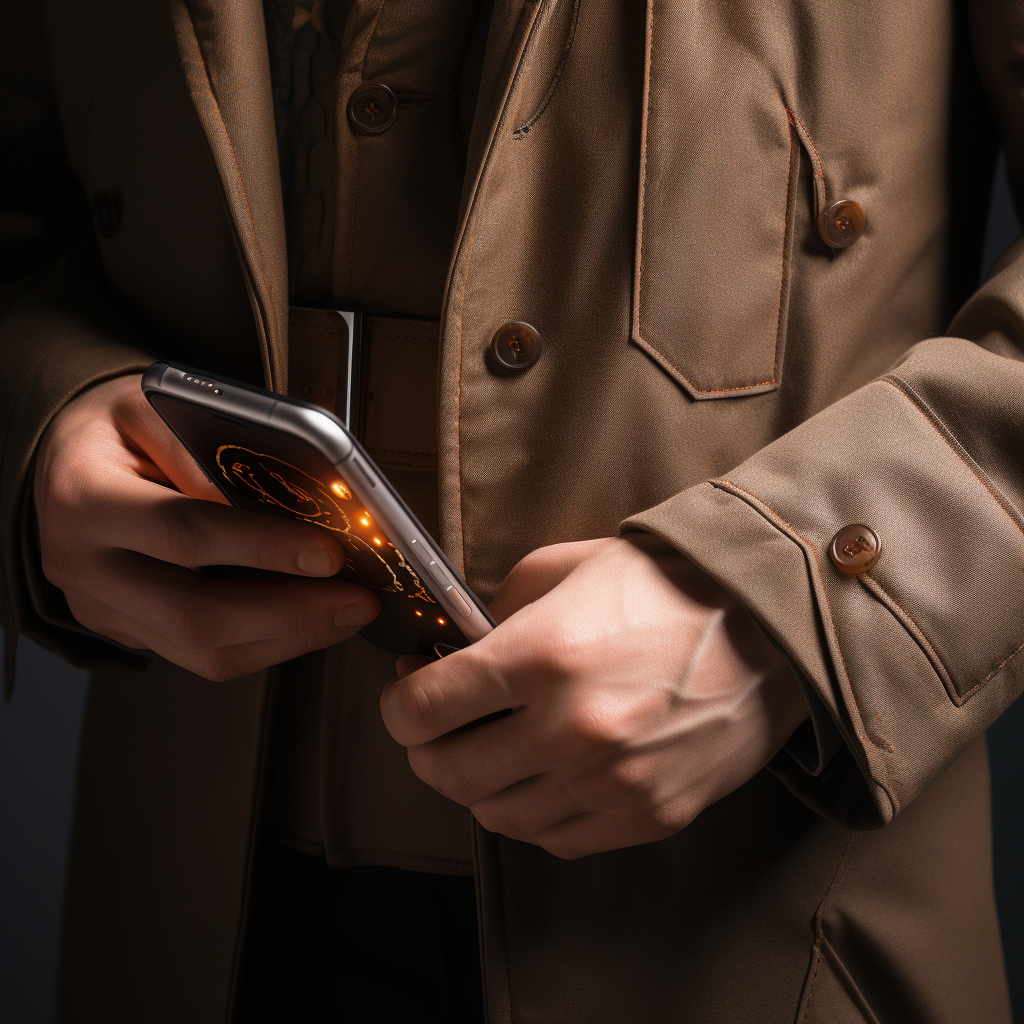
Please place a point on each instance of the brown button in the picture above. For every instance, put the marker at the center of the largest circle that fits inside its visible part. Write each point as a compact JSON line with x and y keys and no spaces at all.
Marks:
{"x":372,"y":109}
{"x":842,"y":223}
{"x":514,"y":348}
{"x":855,"y":549}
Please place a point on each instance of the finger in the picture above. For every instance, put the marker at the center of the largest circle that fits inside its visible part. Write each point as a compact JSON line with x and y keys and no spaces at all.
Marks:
{"x":196,"y":613}
{"x":139,"y":515}
{"x":409,"y":663}
{"x":599,"y":831}
{"x":446,"y":695}
{"x":143,"y":428}
{"x":540,"y":571}
{"x":212,"y":663}
{"x":475,"y":763}
{"x":535,"y":804}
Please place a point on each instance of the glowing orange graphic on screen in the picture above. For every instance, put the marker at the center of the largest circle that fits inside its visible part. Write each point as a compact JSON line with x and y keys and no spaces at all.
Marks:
{"x":372,"y":558}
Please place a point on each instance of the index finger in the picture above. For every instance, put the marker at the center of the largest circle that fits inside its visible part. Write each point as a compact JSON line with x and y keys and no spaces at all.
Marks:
{"x":448,"y":694}
{"x":154,"y":520}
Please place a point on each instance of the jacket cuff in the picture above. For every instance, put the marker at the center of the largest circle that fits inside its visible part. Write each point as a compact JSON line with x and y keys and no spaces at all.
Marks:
{"x":911,"y":661}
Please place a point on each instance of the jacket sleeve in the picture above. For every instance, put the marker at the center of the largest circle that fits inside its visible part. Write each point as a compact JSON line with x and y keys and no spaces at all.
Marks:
{"x":59,"y":330}
{"x":904,"y":666}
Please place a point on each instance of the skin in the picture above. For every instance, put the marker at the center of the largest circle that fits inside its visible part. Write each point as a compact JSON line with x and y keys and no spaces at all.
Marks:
{"x":640,"y":691}
{"x":125,"y":520}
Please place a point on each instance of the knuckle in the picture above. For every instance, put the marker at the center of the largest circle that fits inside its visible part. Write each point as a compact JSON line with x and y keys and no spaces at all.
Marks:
{"x":669,"y":817}
{"x":596,"y":724}
{"x":450,"y":776}
{"x":85,"y":613}
{"x":563,"y":848}
{"x":57,"y":567}
{"x":184,"y":539}
{"x":503,"y":822}
{"x":419,"y":706}
{"x":566,"y":655}
{"x":188,"y":626}
{"x":218,"y":665}
{"x":627,"y":779}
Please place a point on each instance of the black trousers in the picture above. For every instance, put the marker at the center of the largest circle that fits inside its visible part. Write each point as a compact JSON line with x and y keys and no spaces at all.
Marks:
{"x":366,"y":945}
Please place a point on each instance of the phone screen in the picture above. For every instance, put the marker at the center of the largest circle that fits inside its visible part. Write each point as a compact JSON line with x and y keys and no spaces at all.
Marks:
{"x":261,"y":469}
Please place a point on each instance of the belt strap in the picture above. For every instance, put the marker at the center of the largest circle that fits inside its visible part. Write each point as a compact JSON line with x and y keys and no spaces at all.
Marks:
{"x":378,"y":374}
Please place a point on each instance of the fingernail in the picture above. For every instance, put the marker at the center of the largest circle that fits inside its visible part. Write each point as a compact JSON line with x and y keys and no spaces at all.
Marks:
{"x":352,"y":615}
{"x":317,"y":561}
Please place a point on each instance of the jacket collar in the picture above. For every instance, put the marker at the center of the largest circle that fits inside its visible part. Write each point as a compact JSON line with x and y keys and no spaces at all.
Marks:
{"x":223,"y":51}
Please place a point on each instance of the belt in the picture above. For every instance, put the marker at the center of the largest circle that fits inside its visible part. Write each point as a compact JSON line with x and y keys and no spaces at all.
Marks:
{"x":377,"y":374}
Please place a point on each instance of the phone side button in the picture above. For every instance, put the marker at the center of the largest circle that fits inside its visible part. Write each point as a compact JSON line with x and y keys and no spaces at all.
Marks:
{"x":460,"y":603}
{"x":357,"y":465}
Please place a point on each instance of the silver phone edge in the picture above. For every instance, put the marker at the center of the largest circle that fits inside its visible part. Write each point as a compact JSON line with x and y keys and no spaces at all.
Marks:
{"x":318,"y":429}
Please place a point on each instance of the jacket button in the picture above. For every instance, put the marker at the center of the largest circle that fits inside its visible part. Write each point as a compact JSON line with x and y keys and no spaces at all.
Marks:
{"x":514,"y":348}
{"x":106,"y":209}
{"x":372,"y":109}
{"x":842,"y":223}
{"x":855,"y":549}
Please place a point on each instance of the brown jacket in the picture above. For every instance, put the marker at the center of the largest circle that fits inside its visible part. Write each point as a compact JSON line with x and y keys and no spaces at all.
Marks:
{"x":643,"y":185}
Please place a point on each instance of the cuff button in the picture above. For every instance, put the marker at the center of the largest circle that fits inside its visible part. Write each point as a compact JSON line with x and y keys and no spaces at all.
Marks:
{"x":855,"y":549}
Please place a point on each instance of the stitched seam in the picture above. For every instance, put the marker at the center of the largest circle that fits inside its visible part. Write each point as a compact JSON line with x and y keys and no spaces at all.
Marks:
{"x":400,"y":337}
{"x":819,"y":936}
{"x":640,"y":235}
{"x":249,"y":260}
{"x":911,"y":397}
{"x":519,"y":132}
{"x":812,"y":151}
{"x":770,"y":514}
{"x":1000,"y":666}
{"x":786,"y":241}
{"x":642,"y":212}
{"x":471,"y":211}
{"x":816,"y":952}
{"x":458,"y":409}
{"x":913,"y":627}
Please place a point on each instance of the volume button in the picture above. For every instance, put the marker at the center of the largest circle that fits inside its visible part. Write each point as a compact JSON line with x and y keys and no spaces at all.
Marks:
{"x":357,"y":464}
{"x":461,"y":605}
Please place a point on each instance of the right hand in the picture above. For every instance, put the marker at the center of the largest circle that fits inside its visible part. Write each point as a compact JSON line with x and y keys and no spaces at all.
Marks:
{"x":125,"y":520}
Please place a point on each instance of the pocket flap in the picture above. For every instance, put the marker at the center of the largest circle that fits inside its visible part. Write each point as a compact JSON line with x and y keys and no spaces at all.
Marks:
{"x":718,"y":175}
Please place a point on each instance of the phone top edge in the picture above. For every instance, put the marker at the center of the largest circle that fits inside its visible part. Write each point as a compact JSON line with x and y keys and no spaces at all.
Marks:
{"x":327,"y":433}
{"x":153,"y":376}
{"x":230,"y":397}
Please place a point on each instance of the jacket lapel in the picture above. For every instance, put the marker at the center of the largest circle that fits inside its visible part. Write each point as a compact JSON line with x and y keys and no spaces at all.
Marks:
{"x":224,"y":53}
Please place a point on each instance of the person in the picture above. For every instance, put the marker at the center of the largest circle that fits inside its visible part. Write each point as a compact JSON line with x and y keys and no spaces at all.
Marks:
{"x":749,"y":515}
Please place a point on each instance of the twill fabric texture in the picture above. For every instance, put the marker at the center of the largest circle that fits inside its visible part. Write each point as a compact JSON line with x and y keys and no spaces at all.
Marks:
{"x":643,"y":184}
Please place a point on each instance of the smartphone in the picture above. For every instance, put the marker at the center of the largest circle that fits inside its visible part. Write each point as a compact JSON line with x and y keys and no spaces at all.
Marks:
{"x":285,"y":457}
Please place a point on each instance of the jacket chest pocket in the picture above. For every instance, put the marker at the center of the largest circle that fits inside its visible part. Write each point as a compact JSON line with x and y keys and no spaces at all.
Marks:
{"x":719,"y":184}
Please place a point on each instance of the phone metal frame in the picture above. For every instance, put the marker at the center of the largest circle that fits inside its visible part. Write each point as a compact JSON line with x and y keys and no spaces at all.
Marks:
{"x":329,"y":436}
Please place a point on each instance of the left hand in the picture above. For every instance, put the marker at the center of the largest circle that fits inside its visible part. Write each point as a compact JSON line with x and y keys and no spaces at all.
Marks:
{"x":642,"y":693}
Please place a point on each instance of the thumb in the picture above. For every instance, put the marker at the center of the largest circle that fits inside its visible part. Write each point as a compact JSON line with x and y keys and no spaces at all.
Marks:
{"x":540,"y":571}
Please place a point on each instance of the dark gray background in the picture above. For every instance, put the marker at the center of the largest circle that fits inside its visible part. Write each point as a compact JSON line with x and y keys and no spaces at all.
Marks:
{"x":39,"y":746}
